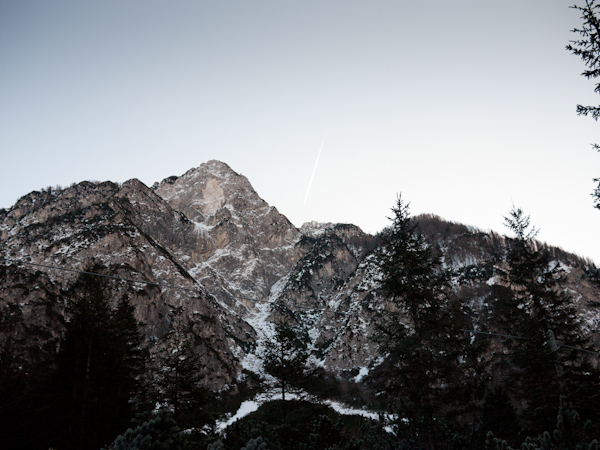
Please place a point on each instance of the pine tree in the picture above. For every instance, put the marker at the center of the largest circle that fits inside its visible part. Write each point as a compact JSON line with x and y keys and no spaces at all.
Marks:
{"x":325,"y":435}
{"x":255,"y":444}
{"x":82,"y":362}
{"x":547,"y":363}
{"x":498,"y":415}
{"x":159,"y":433}
{"x":217,"y":445}
{"x":423,"y":332}
{"x":587,"y":47}
{"x":179,"y":373}
{"x":131,"y":359}
{"x":98,"y":366}
{"x":285,"y":355}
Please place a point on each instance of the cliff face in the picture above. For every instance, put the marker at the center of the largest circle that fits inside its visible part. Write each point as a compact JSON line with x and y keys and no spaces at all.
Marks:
{"x":136,"y":235}
{"x":230,"y":261}
{"x":242,"y":245}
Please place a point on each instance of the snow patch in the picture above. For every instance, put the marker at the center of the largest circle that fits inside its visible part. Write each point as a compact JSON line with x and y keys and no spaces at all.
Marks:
{"x":245,"y":408}
{"x":492,"y":281}
{"x":202,"y":229}
{"x":250,"y":406}
{"x":362,"y":373}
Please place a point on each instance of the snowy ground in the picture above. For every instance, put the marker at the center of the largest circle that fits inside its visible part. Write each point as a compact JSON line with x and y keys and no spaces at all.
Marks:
{"x":249,"y":406}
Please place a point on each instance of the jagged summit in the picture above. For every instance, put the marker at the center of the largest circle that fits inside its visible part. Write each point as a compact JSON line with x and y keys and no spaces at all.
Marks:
{"x":243,"y":245}
{"x":203,"y":190}
{"x":314,"y":228}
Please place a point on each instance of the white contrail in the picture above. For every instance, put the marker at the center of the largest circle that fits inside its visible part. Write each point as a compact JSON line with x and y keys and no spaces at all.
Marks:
{"x":314,"y":169}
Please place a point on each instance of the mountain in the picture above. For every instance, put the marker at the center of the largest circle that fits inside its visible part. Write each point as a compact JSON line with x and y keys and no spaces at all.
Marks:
{"x":207,"y":243}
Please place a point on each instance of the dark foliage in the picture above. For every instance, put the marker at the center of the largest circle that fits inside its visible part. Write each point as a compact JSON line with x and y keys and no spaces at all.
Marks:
{"x":178,"y":374}
{"x":99,"y":366}
{"x":498,"y":415}
{"x":587,"y":47}
{"x":548,"y":358}
{"x":159,"y":433}
{"x":285,"y":355}
{"x":308,"y":426}
{"x":83,"y":396}
{"x":569,"y":434}
{"x":423,"y":335}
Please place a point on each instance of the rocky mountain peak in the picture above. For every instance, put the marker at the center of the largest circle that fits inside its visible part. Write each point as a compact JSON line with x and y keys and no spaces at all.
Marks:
{"x":243,"y":245}
{"x":202,"y":191}
{"x":314,"y":228}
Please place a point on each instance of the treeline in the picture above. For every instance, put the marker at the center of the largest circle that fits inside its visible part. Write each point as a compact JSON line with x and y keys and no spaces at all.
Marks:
{"x":457,"y":383}
{"x":82,"y":390}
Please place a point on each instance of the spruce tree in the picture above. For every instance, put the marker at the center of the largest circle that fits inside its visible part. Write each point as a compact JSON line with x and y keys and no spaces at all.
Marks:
{"x":131,"y":362}
{"x":158,"y":433}
{"x":178,"y":376}
{"x":549,"y":359}
{"x":285,"y":356}
{"x":98,"y":366}
{"x":498,"y":415}
{"x":587,"y":47}
{"x":422,"y":333}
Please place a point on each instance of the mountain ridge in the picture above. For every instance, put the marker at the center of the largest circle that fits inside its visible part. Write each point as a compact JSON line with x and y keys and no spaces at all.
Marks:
{"x":241,"y":263}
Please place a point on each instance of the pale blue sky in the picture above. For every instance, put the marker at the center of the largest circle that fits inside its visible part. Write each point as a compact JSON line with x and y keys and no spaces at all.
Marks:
{"x":464,"y":106}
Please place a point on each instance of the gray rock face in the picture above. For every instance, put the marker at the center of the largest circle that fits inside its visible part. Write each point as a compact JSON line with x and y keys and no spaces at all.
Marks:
{"x":243,"y":245}
{"x":330,"y":293}
{"x":233,"y":263}
{"x":136,"y":235}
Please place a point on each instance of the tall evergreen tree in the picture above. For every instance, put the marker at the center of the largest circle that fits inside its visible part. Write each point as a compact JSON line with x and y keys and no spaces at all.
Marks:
{"x":285,"y":355}
{"x":587,"y":47}
{"x":285,"y":359}
{"x":423,"y":332}
{"x":131,"y":362}
{"x":178,"y":376}
{"x":98,"y":366}
{"x":549,"y":359}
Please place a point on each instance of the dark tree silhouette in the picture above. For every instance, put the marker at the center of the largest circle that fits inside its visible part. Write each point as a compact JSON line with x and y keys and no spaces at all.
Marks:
{"x":423,"y":333}
{"x":285,"y":356}
{"x":546,"y":362}
{"x":587,"y":47}
{"x":98,"y":366}
{"x":179,"y":373}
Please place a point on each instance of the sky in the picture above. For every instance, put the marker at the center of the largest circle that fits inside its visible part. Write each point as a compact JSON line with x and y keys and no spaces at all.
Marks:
{"x":463,"y":107}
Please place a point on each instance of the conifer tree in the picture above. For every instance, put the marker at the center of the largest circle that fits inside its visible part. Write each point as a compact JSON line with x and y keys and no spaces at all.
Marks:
{"x":255,"y":444}
{"x":325,"y":435}
{"x":158,"y":433}
{"x":285,"y":355}
{"x":179,"y":373}
{"x":587,"y":47}
{"x":98,"y":366}
{"x":131,"y":361}
{"x":423,"y":332}
{"x":549,"y":357}
{"x":498,"y":415}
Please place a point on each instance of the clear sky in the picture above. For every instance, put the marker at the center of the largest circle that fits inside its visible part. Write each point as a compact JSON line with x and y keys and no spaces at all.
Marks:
{"x":464,"y":106}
